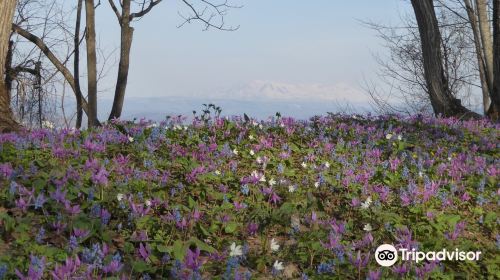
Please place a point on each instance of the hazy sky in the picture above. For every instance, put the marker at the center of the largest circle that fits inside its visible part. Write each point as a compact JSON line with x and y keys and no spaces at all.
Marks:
{"x":289,"y":41}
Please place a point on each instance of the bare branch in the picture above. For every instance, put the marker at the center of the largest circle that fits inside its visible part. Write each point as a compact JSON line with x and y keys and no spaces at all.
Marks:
{"x":117,"y":13}
{"x":217,"y":11}
{"x":144,"y":11}
{"x":50,"y":55}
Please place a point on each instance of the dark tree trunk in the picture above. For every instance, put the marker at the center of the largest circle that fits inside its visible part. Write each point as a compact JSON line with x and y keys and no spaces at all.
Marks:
{"x":442,"y":100}
{"x":76,"y":66}
{"x":494,"y":111}
{"x":7,"y":121}
{"x":127,"y":33}
{"x":91,"y":63}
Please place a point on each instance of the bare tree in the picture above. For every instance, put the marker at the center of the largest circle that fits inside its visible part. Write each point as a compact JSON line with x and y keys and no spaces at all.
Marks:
{"x":209,"y":13}
{"x":91,"y":63}
{"x":442,"y":100}
{"x":76,"y":65}
{"x":7,"y":8}
{"x":495,"y":93}
{"x":402,"y":87}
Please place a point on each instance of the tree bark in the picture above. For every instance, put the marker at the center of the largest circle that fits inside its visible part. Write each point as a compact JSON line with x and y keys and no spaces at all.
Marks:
{"x":442,"y":100}
{"x":127,"y":33}
{"x":486,"y":37}
{"x":7,"y":121}
{"x":76,"y":66}
{"x":494,"y":111}
{"x":91,"y":63}
{"x":485,"y":79}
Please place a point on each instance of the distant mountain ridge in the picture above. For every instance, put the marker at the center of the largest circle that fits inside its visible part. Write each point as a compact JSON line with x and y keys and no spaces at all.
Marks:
{"x":287,"y":91}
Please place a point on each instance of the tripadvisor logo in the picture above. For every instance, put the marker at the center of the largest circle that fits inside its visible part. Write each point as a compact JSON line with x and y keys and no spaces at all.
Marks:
{"x":387,"y":255}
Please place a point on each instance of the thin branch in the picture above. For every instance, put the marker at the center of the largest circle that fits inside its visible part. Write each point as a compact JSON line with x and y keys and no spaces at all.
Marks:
{"x":145,"y":11}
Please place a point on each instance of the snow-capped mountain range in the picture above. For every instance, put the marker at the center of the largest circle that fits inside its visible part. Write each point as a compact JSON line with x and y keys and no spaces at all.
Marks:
{"x":287,"y":91}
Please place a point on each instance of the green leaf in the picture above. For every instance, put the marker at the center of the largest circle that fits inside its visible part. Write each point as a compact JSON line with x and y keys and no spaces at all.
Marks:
{"x":163,"y":249}
{"x":178,"y":250}
{"x":231,"y":227}
{"x":140,"y":266}
{"x":191,"y":202}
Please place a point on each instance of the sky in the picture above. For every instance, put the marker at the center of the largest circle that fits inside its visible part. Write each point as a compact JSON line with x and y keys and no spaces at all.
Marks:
{"x":289,"y":42}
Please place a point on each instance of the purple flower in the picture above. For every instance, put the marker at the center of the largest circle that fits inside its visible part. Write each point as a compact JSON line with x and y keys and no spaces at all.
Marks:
{"x":400,"y":269}
{"x":80,"y":233}
{"x":66,"y":271}
{"x":459,"y":227}
{"x":333,"y":242}
{"x":275,"y":198}
{"x":6,"y":170}
{"x":35,"y":270}
{"x":192,"y":260}
{"x":100,"y":177}
{"x":144,"y":251}
{"x":374,"y":275}
{"x":72,"y":210}
{"x":252,"y":228}
{"x":112,"y":267}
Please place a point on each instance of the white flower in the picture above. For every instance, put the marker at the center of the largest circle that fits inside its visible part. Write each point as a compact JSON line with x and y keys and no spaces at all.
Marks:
{"x":367,"y":203}
{"x":47,"y":124}
{"x":274,"y":245}
{"x":367,"y":227}
{"x":185,"y":127}
{"x":388,"y":136}
{"x":236,"y":250}
{"x":292,"y":188}
{"x":400,"y":137}
{"x":282,"y":125}
{"x":272,"y":182}
{"x":327,"y":164}
{"x":250,"y":137}
{"x":259,"y":160}
{"x":263,"y":178}
{"x":148,"y":202}
{"x":120,"y":196}
{"x":152,"y":125}
{"x":252,"y":152}
{"x":304,"y":165}
{"x":131,"y":139}
{"x":420,"y":174}
{"x":278,"y":266}
{"x":316,"y":184}
{"x":254,"y":174}
{"x":235,"y":152}
{"x":449,"y":158}
{"x":217,"y":172}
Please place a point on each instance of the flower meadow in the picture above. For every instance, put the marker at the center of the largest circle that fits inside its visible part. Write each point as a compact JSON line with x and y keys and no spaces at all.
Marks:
{"x":237,"y":198}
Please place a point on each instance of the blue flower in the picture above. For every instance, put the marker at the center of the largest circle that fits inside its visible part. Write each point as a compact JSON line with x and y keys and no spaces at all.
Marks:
{"x":325,"y":268}
{"x":39,"y":237}
{"x":3,"y":270}
{"x":245,"y":190}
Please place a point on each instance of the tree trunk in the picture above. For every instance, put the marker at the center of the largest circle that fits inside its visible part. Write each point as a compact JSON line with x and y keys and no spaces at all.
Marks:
{"x":7,"y":121}
{"x":76,"y":66}
{"x":91,"y":63}
{"x":486,"y":38}
{"x":127,"y":33}
{"x":494,"y":111}
{"x":442,"y":100}
{"x":485,"y":79}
